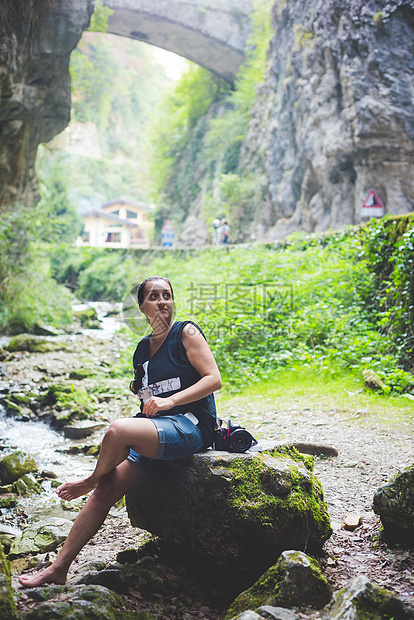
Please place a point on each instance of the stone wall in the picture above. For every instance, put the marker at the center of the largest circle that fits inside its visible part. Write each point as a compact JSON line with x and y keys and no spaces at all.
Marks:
{"x":36,"y":38}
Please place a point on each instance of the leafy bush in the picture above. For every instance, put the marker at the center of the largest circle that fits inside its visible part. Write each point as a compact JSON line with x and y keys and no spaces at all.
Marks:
{"x":28,"y":294}
{"x":107,"y":278}
{"x":329,"y":302}
{"x":67,"y":263}
{"x":389,"y":293}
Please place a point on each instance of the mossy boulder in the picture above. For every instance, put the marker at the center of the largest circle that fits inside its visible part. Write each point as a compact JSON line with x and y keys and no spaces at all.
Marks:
{"x":237,"y":512}
{"x":15,"y":465}
{"x":36,"y":344}
{"x":18,"y":411}
{"x":7,"y":604}
{"x":394,"y":503}
{"x":12,"y":408}
{"x":41,"y":537}
{"x":295,"y":580}
{"x":80,"y":373}
{"x":26,"y":484}
{"x":372,"y":381}
{"x":20,"y":398}
{"x":363,"y":600}
{"x":83,"y":603}
{"x":88,"y":318}
{"x":69,"y":402}
{"x":7,"y":501}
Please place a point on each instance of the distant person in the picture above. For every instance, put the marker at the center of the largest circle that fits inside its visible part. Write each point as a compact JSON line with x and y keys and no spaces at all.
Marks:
{"x":216,"y":226}
{"x":175,"y":377}
{"x":224,"y":232}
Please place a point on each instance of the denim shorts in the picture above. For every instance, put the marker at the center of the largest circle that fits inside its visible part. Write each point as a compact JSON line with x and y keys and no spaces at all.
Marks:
{"x":177,"y":437}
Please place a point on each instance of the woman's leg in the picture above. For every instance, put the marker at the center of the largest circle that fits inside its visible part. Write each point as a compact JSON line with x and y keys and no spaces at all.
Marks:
{"x":138,"y":433}
{"x":110,"y":490}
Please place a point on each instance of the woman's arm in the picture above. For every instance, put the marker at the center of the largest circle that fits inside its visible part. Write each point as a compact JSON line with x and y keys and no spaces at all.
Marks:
{"x":201,"y":358}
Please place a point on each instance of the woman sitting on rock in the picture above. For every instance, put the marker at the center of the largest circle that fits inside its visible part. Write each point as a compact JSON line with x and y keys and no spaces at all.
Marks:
{"x":175,"y":377}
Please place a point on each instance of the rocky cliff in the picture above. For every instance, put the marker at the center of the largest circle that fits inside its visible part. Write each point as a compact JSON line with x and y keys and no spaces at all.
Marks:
{"x":335,"y":116}
{"x":36,"y":38}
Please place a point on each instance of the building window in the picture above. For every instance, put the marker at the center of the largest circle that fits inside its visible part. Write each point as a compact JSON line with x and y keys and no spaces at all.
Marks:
{"x":86,"y":237}
{"x":137,"y":236}
{"x":115,"y":212}
{"x":131,"y":215}
{"x":113,"y":237}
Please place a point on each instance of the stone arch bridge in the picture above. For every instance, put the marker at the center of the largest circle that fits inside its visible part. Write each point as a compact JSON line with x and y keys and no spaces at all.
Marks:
{"x":36,"y":39}
{"x":212,"y":33}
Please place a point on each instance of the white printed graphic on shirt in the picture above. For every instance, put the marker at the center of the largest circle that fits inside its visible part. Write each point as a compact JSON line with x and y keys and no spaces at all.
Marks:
{"x":145,"y":377}
{"x":161,"y":387}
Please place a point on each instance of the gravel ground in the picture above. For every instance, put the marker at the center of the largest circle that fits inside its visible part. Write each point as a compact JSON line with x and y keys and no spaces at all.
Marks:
{"x":368,"y":456}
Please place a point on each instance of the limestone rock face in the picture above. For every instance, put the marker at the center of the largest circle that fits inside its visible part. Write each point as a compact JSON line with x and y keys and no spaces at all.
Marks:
{"x":236,"y":512}
{"x":335,"y":116}
{"x":35,"y":44}
{"x":394,"y":503}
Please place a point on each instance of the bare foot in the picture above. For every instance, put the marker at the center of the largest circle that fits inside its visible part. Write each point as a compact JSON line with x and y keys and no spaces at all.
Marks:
{"x":72,"y":490}
{"x":47,"y":575}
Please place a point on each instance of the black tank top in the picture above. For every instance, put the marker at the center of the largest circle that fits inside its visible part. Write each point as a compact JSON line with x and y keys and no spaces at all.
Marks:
{"x":168,"y":372}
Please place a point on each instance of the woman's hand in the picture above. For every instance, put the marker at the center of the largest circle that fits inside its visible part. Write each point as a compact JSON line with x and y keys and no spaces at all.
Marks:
{"x":156,"y":404}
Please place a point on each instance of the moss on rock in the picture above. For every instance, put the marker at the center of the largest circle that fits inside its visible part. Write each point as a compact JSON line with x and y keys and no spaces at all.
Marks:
{"x":7,"y":604}
{"x":85,"y":602}
{"x":70,"y":402}
{"x":292,"y":453}
{"x":36,"y":344}
{"x":236,"y":511}
{"x":363,"y":600}
{"x":26,"y":484}
{"x":15,"y":465}
{"x":394,"y":503}
{"x":295,"y":580}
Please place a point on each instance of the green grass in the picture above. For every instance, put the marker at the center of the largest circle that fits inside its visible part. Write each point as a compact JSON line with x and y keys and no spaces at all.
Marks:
{"x":329,"y":389}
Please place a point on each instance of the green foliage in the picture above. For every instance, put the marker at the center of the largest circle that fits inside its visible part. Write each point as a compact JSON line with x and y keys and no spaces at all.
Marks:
{"x":310,"y":302}
{"x":378,"y":17}
{"x":67,"y":263}
{"x":58,"y":220}
{"x":115,"y":84}
{"x":172,"y":127}
{"x":28,"y":294}
{"x":95,"y":274}
{"x":105,"y":279}
{"x":235,"y":194}
{"x":197,"y":136}
{"x":100,"y":15}
{"x":389,"y":294}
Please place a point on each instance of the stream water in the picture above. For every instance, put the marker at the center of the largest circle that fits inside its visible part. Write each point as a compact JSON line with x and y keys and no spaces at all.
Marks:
{"x":48,"y":447}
